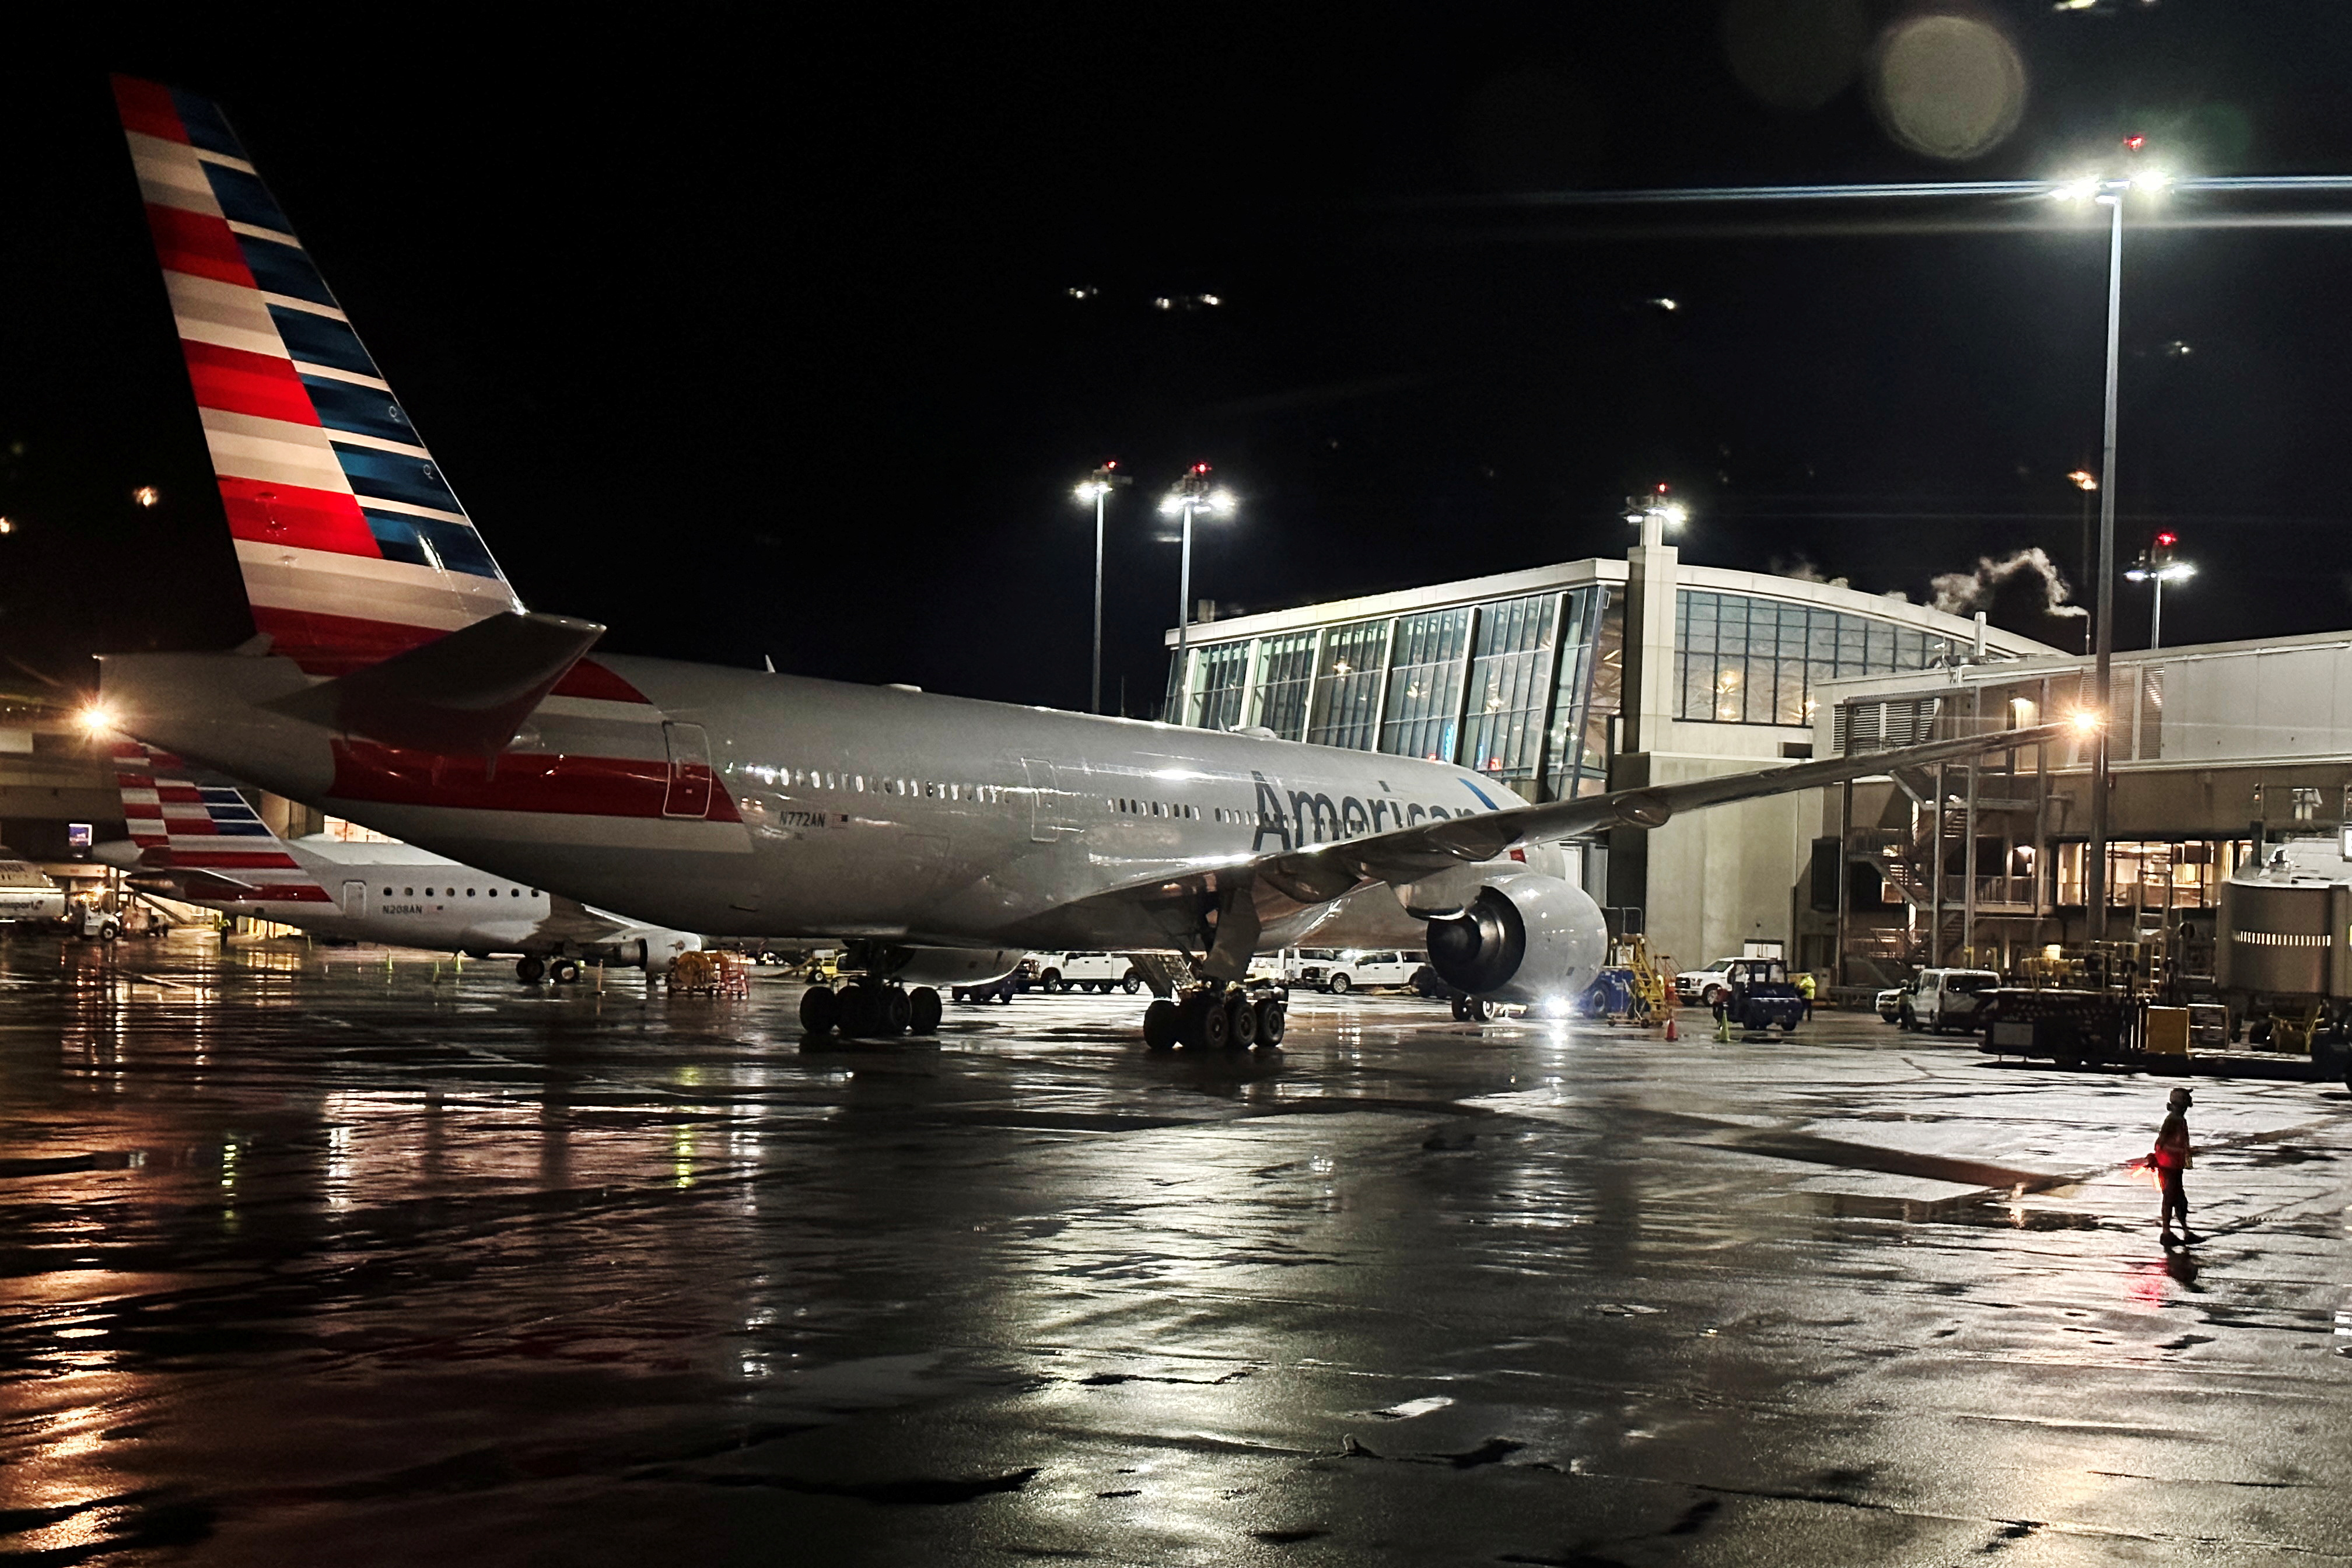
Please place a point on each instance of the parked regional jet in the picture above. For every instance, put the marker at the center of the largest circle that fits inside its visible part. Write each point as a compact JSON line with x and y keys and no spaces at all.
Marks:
{"x":26,"y":893}
{"x":396,"y":680}
{"x":203,"y":844}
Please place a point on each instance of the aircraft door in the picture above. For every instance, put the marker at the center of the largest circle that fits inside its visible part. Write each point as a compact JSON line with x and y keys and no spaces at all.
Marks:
{"x":355,"y":900}
{"x":1052,"y":799}
{"x":690,"y":778}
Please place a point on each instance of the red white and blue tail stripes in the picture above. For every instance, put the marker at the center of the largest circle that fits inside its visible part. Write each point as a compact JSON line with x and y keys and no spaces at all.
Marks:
{"x":351,"y":545}
{"x":207,"y":830}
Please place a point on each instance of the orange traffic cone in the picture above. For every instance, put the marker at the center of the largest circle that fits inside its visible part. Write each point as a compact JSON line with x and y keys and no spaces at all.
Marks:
{"x":1672,"y":1033}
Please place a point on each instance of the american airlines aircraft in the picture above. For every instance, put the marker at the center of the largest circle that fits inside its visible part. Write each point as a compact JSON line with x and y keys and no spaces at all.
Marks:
{"x":201,"y":843}
{"x":395,"y":679}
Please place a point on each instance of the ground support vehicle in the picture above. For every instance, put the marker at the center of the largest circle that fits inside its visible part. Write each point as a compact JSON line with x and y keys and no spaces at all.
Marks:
{"x":1755,"y":993}
{"x":1099,"y":971}
{"x":708,"y":973}
{"x":2077,"y":1026}
{"x":1890,"y":1002}
{"x":1706,"y":987}
{"x":1003,"y":988}
{"x":1218,"y":1017}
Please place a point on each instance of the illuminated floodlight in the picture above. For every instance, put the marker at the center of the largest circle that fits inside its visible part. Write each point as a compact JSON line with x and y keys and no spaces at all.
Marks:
{"x":95,"y":720}
{"x":1171,"y":505}
{"x":2084,"y":721}
{"x":2080,"y":190}
{"x":146,"y":495}
{"x":8,"y":525}
{"x":2151,"y":180}
{"x":1222,"y":503}
{"x":2083,"y":479}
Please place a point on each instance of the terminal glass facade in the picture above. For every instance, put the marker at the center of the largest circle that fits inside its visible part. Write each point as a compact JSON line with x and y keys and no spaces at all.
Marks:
{"x":1527,"y":689}
{"x":1743,"y":659}
{"x":1425,"y":694}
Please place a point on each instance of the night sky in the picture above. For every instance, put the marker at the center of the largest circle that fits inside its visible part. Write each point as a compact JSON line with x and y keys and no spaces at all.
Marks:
{"x":754,"y":335}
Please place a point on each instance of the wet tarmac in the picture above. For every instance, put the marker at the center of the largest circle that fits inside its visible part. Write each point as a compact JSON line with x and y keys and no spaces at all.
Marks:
{"x":332,"y":1259}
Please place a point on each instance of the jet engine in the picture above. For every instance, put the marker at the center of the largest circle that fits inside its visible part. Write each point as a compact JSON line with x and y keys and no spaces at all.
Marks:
{"x":1521,"y":938}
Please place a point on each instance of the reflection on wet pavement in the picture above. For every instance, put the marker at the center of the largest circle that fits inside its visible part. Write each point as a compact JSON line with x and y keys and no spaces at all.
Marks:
{"x":326,"y":1258}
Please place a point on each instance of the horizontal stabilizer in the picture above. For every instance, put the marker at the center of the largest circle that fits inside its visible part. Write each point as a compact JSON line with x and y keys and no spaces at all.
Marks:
{"x":465,"y":694}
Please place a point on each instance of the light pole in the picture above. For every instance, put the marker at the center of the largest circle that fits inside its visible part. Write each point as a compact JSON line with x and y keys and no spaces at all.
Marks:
{"x":2157,"y":566}
{"x":1188,"y":497}
{"x":2108,"y":190}
{"x":2088,"y":482}
{"x":1096,"y":487}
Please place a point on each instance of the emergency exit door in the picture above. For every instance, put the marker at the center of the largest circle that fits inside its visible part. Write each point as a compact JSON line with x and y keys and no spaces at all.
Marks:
{"x":355,"y":899}
{"x":688,"y":793}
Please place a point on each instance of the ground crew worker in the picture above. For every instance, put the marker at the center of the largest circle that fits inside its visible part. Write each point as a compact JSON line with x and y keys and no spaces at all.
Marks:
{"x":1805,"y":984}
{"x":2171,"y":1158}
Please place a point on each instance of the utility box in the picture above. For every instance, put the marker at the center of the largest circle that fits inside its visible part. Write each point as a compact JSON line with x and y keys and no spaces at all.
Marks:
{"x":1763,"y":947}
{"x":2168,"y":1031}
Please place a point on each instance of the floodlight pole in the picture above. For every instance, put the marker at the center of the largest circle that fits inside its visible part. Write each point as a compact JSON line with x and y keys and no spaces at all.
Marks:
{"x":1102,"y":498}
{"x":2095,"y":857}
{"x":1096,"y":487}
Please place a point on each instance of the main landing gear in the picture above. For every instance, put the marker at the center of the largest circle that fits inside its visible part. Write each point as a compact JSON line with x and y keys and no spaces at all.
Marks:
{"x":531,"y":970}
{"x":1216,"y":1018}
{"x":869,"y":1010}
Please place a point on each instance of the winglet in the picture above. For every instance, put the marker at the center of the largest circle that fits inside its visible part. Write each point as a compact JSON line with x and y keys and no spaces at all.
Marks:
{"x":466,"y":694}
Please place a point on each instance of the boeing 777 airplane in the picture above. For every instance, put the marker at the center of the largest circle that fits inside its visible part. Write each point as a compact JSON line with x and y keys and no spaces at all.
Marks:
{"x":201,"y":843}
{"x":395,"y":679}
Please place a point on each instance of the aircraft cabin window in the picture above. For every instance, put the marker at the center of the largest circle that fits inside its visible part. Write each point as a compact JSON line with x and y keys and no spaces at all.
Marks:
{"x":408,"y":892}
{"x":469,"y":892}
{"x":494,"y":892}
{"x":387,"y":892}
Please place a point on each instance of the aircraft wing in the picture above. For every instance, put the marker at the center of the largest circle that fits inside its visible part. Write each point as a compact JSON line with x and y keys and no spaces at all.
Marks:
{"x":567,"y":920}
{"x":1407,"y":854}
{"x":1250,"y":892}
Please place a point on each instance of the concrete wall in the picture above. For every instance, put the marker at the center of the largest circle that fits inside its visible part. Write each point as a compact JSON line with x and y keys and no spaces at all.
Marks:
{"x":1722,"y":876}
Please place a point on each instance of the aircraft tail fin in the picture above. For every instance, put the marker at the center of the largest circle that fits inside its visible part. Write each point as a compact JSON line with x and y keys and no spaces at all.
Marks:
{"x":205,"y":835}
{"x":351,"y":545}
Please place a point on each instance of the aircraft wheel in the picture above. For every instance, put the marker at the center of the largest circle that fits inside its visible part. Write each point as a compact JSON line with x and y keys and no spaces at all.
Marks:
{"x":1132,"y":983}
{"x":1160,"y":1024}
{"x":1241,"y":1024}
{"x":531,"y":969}
{"x":1272,"y":1017}
{"x":923,"y":1011}
{"x":855,"y":1010}
{"x":820,"y":1010}
{"x":1476,"y":1009}
{"x":565,"y":971}
{"x":896,"y":1010}
{"x":1213,"y":1025}
{"x":1460,"y":1005}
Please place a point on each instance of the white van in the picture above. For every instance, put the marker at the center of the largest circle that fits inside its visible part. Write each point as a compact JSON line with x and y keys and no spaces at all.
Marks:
{"x":1100,"y":971}
{"x":1943,"y":999}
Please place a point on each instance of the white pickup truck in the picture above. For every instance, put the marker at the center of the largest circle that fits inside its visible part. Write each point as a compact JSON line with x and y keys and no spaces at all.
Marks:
{"x":1340,"y":971}
{"x":1102,"y":972}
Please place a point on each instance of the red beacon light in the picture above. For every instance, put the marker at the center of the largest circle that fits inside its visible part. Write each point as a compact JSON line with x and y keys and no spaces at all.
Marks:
{"x":2134,"y":143}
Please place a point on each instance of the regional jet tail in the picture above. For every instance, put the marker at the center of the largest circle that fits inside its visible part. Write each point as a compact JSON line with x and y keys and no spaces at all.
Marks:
{"x":397,"y":681}
{"x":200,"y":842}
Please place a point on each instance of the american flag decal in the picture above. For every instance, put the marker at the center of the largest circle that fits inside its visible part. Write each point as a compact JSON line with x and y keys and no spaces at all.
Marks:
{"x":352,"y":546}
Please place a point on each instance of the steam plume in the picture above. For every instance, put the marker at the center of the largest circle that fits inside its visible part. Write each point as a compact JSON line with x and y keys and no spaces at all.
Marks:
{"x":1964,"y":592}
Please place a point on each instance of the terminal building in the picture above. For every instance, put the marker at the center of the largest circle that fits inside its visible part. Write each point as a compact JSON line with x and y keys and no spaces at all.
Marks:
{"x":2214,"y":750}
{"x":1595,"y":675}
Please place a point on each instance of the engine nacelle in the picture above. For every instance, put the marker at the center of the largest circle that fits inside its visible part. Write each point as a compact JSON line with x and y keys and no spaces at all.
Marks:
{"x":1522,"y":938}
